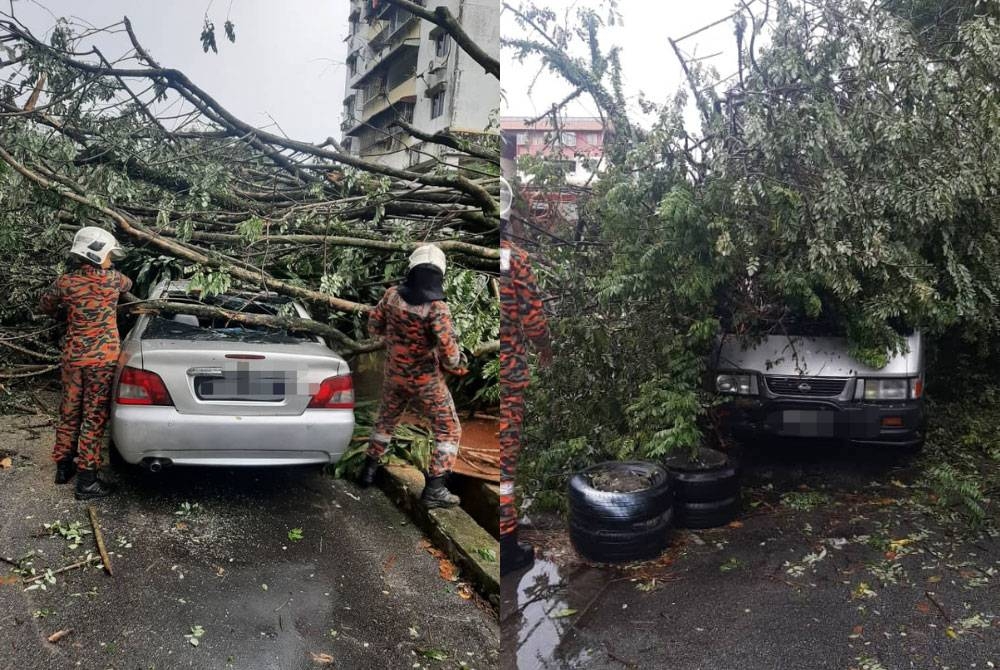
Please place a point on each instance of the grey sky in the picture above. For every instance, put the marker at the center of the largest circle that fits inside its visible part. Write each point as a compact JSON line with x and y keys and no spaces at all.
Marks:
{"x":648,"y":62}
{"x":288,"y":59}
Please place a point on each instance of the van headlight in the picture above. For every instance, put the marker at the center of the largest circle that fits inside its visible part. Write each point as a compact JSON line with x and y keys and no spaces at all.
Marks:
{"x":884,"y":389}
{"x":736,"y":384}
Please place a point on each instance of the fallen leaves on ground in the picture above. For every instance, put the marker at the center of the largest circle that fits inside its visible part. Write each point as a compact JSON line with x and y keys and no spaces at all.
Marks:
{"x":465,"y":591}
{"x":6,"y":463}
{"x":862,"y":591}
{"x":322,"y":659}
{"x":59,"y":634}
{"x":389,"y":562}
{"x":562,"y":614}
{"x":447,"y":570}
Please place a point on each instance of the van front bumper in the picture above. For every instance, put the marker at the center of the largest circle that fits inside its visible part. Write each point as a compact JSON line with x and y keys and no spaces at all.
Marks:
{"x":898,"y":424}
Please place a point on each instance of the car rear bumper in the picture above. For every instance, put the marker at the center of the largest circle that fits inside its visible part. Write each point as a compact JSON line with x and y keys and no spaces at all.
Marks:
{"x":316,"y":436}
{"x":876,"y":424}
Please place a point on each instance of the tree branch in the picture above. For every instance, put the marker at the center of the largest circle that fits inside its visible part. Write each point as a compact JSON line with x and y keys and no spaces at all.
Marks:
{"x":442,"y":16}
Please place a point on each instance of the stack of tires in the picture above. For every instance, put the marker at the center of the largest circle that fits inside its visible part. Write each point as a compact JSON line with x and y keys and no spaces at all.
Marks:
{"x":616,"y":527}
{"x":706,"y":489}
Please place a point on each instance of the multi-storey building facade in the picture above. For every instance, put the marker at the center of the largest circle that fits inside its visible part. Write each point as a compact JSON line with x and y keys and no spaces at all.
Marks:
{"x":575,"y":147}
{"x":400,"y":67}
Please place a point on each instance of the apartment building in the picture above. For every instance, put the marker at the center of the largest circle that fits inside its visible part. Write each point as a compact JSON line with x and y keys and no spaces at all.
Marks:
{"x":576,"y":145}
{"x":404,"y":68}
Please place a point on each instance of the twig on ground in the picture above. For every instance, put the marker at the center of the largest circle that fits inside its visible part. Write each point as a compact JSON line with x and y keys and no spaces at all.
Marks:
{"x":72,"y":566}
{"x":938,"y":606}
{"x":100,"y":540}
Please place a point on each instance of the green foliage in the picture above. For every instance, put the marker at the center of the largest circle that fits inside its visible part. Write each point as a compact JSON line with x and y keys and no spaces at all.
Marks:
{"x":850,"y":176}
{"x":962,"y":455}
{"x":410,"y":444}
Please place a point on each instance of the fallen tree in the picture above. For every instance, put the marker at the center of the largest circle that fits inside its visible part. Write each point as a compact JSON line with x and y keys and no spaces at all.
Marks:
{"x":847,"y":168}
{"x":131,"y":145}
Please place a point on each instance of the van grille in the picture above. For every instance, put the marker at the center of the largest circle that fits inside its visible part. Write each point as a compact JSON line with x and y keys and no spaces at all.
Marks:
{"x":820,"y":387}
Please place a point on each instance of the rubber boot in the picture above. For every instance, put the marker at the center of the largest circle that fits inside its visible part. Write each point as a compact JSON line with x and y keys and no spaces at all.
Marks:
{"x":367,"y":476}
{"x":514,"y":555}
{"x":65,"y":469}
{"x":436,"y":495}
{"x":89,"y":486}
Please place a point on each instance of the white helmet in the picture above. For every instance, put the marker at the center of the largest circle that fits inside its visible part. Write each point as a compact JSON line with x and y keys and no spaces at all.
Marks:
{"x":506,"y":197}
{"x":94,"y":244}
{"x":428,"y":253}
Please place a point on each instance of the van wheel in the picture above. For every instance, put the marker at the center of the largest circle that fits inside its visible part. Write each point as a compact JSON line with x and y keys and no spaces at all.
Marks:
{"x":706,"y":514}
{"x":643,"y":541}
{"x":592,"y":507}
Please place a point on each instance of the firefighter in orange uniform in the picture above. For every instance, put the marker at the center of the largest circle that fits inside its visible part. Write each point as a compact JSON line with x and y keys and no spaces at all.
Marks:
{"x":421,"y":345}
{"x":521,"y":322}
{"x":89,"y":295}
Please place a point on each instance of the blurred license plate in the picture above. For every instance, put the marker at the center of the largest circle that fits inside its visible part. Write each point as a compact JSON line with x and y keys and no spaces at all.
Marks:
{"x":807,"y":423}
{"x":243,"y":385}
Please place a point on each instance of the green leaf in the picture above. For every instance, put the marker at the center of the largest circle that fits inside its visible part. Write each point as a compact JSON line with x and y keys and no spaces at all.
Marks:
{"x":563,"y":613}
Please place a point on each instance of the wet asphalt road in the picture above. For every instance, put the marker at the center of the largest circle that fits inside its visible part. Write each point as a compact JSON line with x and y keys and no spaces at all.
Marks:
{"x":358,"y":586}
{"x":784,"y":589}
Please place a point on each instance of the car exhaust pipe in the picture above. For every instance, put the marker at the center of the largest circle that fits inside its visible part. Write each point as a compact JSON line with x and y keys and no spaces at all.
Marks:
{"x":155,"y":465}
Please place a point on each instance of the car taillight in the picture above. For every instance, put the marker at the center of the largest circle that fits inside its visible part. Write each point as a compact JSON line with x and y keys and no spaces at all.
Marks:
{"x":334,"y":393}
{"x":141,"y":387}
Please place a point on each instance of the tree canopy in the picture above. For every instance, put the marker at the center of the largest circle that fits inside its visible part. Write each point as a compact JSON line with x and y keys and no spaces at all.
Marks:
{"x":125,"y":142}
{"x":848,"y":170}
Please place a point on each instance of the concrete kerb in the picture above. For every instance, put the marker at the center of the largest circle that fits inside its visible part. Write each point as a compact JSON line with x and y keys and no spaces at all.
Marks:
{"x":452,"y":530}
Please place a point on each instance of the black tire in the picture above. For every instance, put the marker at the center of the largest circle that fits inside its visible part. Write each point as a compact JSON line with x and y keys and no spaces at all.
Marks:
{"x":706,"y":514}
{"x":609,"y":510}
{"x":714,"y":479}
{"x":643,"y":541}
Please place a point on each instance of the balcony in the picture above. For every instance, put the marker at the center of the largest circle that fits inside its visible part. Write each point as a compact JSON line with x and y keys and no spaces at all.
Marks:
{"x":386,"y":99}
{"x":405,"y":46}
{"x":398,"y":24}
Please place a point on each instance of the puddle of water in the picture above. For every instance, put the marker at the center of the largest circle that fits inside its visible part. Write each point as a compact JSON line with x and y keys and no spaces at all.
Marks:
{"x":536,"y":618}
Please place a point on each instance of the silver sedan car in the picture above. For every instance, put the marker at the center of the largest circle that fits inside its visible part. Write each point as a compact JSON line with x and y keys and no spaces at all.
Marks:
{"x":201,"y":391}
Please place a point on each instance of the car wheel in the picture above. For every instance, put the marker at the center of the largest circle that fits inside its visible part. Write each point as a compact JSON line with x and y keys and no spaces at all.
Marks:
{"x":706,"y":514}
{"x":590,"y":506}
{"x":644,"y":540}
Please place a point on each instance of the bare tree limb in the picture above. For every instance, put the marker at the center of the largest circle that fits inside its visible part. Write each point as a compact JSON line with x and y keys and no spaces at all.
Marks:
{"x":442,"y":16}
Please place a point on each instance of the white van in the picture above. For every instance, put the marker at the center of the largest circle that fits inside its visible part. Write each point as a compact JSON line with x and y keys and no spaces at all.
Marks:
{"x":810,"y":387}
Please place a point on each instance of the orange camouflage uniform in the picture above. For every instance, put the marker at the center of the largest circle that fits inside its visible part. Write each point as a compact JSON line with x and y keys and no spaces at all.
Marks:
{"x":420,"y":341}
{"x":90,"y":356}
{"x":521,"y":321}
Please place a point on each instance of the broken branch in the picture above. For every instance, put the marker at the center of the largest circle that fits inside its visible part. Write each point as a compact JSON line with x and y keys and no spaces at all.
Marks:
{"x":105,"y":559}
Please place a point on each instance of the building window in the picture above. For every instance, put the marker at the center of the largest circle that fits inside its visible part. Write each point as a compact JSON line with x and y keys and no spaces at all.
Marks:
{"x":567,"y":139}
{"x":522,"y":139}
{"x":441,"y":45}
{"x":437,"y":104}
{"x":354,"y":27}
{"x":564,"y":167}
{"x":594,"y":139}
{"x":352,"y":65}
